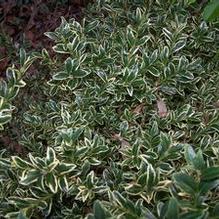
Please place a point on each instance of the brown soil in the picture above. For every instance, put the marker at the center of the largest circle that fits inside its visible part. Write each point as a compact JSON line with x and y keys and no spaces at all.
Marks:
{"x":27,"y":23}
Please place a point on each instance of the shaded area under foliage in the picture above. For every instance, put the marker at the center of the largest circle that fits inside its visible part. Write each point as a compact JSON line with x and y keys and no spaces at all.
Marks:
{"x":23,"y":23}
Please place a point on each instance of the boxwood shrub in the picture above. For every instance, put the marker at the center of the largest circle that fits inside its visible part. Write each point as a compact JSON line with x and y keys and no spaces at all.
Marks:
{"x":127,"y":123}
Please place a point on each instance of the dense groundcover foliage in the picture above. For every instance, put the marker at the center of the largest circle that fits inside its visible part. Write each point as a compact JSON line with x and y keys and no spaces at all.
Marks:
{"x":128,"y":124}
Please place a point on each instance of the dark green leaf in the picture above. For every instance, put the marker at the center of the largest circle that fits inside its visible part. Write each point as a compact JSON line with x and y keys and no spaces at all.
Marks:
{"x":22,"y":56}
{"x":31,"y":177}
{"x":210,"y":173}
{"x":211,"y":11}
{"x":173,"y":209}
{"x":185,"y":182}
{"x":99,"y":211}
{"x":61,"y":76}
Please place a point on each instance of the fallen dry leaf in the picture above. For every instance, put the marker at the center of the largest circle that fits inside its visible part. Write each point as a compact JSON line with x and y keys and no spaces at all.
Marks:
{"x":124,"y":143}
{"x":10,"y":29}
{"x":138,"y":109}
{"x":162,"y":108}
{"x":216,"y":104}
{"x":29,"y":35}
{"x":3,"y":64}
{"x":206,"y":118}
{"x":8,"y":143}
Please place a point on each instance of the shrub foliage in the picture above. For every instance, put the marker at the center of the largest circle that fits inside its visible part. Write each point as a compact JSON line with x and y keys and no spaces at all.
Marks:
{"x":129,"y":124}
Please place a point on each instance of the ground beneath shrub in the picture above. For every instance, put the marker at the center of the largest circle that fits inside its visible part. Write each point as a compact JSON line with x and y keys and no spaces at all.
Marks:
{"x":23,"y":23}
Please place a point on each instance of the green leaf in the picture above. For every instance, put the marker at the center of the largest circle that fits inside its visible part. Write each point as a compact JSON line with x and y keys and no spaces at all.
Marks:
{"x":5,"y":163}
{"x":31,"y":177}
{"x":73,"y":83}
{"x":23,"y":202}
{"x":50,"y":156}
{"x":81,"y":73}
{"x":154,"y":71}
{"x":90,"y":216}
{"x":12,"y":215}
{"x":61,"y":76}
{"x":206,"y":186}
{"x":63,"y":184}
{"x":189,"y":154}
{"x":123,"y":202}
{"x":151,"y":177}
{"x":165,"y":143}
{"x":194,"y":215}
{"x":5,"y":116}
{"x":191,"y":1}
{"x":51,"y":182}
{"x":130,"y":90}
{"x":185,"y":182}
{"x":199,"y":162}
{"x":90,"y":180}
{"x":216,"y":211}
{"x":69,"y":65}
{"x":210,"y":173}
{"x":99,"y":211}
{"x":60,"y":48}
{"x":22,"y":56}
{"x":64,"y":168}
{"x":196,"y":160}
{"x":51,"y":35}
{"x":37,"y":162}
{"x":20,"y":163}
{"x":179,"y":45}
{"x":135,"y":189}
{"x":211,"y":11}
{"x":21,"y":215}
{"x":124,"y":126}
{"x":172,"y":209}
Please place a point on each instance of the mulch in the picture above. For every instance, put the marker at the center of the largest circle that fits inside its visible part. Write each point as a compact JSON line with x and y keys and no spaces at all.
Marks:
{"x":25,"y":22}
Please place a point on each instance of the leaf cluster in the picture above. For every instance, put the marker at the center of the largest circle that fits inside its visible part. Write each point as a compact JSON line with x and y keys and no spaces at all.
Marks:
{"x":98,"y":146}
